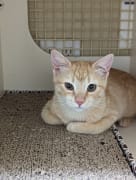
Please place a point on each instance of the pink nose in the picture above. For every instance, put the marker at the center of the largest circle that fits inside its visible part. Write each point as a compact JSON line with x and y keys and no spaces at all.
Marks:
{"x":79,"y":102}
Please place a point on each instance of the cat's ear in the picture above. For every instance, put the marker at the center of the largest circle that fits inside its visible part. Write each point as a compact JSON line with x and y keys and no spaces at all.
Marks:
{"x":59,"y":62}
{"x":103,"y":65}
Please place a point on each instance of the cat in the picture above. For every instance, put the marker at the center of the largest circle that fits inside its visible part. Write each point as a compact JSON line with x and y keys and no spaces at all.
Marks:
{"x":87,"y":98}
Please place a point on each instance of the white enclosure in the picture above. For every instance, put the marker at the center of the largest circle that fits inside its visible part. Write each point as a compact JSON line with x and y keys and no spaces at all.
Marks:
{"x":1,"y":75}
{"x":24,"y":65}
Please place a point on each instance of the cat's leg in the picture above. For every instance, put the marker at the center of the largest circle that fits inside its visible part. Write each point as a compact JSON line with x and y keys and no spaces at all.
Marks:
{"x":125,"y":122}
{"x":93,"y":128}
{"x":48,"y":116}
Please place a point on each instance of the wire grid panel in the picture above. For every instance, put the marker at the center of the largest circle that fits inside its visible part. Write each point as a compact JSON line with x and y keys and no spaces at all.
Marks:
{"x":133,"y":52}
{"x":82,"y":27}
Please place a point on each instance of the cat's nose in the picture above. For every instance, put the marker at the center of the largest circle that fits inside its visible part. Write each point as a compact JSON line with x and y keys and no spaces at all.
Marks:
{"x":79,"y":102}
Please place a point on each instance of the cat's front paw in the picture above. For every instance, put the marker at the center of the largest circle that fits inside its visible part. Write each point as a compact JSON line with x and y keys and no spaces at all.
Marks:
{"x":70,"y":127}
{"x":84,"y":128}
{"x":75,"y":127}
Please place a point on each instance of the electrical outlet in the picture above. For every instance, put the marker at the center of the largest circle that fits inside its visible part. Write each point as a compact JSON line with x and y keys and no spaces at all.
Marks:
{"x":66,"y":47}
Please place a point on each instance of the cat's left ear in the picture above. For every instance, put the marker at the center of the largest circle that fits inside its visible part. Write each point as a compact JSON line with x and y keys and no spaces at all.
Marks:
{"x":103,"y":65}
{"x":59,"y":62}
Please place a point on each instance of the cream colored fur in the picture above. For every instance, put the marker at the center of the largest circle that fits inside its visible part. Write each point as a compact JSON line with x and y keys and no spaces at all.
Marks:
{"x":114,"y":98}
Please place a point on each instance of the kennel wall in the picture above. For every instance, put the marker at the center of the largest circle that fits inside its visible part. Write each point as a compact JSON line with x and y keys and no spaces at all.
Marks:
{"x":26,"y":38}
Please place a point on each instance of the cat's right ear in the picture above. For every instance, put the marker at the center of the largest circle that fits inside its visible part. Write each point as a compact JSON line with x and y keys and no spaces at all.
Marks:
{"x":59,"y":62}
{"x":103,"y":65}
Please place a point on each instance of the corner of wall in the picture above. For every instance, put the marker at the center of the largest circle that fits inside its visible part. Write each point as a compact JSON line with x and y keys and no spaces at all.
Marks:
{"x":1,"y":74}
{"x":133,"y":67}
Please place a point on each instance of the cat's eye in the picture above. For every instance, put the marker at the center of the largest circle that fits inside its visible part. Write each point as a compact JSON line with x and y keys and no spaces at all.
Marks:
{"x":91,"y":87}
{"x":69,"y":86}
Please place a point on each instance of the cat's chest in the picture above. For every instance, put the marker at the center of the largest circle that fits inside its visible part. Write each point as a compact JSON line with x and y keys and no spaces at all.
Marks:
{"x":70,"y":115}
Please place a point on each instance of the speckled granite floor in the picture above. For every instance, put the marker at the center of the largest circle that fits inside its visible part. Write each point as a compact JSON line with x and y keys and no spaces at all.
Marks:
{"x":32,"y":150}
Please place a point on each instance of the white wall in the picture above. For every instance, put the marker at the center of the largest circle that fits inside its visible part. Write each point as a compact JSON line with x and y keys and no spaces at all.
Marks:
{"x":25,"y":66}
{"x":1,"y":73}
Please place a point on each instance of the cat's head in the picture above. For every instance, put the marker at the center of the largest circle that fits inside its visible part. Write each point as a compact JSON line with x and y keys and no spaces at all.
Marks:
{"x":80,"y":85}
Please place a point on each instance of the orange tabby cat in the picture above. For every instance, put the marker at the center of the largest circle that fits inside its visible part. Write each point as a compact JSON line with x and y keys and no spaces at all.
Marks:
{"x":87,"y":98}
